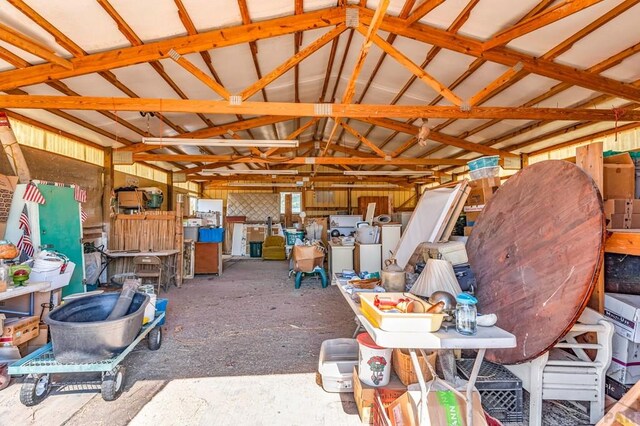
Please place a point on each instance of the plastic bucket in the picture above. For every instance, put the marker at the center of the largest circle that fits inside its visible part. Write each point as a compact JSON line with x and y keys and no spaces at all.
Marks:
{"x":374,"y":362}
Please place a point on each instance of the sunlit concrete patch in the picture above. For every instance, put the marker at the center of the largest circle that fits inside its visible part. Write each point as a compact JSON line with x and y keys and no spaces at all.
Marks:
{"x":284,"y":399}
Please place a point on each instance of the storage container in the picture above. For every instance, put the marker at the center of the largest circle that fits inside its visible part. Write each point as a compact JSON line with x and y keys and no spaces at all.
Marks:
{"x":485,"y":172}
{"x":337,"y":359}
{"x":403,"y":366}
{"x":500,"y":390}
{"x":374,"y":362}
{"x":255,"y":248}
{"x":293,"y":235}
{"x":453,"y":251}
{"x":482,"y":162}
{"x":161,"y":306}
{"x":80,"y":332}
{"x":389,"y":321}
{"x":191,"y":232}
{"x":211,"y":235}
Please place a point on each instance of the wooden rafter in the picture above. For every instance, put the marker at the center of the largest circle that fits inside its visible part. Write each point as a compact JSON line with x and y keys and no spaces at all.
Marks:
{"x":404,"y":12}
{"x":505,"y":56}
{"x":550,"y":55}
{"x":415,"y":69}
{"x":553,"y":14}
{"x":495,"y":84}
{"x":292,"y":109}
{"x":364,"y":140}
{"x":426,"y":7}
{"x":294,"y":135}
{"x":435,"y":136}
{"x":148,"y":52}
{"x":350,"y":89}
{"x":34,"y":47}
{"x":199,"y":74}
{"x":292,"y":61}
{"x":301,"y":160}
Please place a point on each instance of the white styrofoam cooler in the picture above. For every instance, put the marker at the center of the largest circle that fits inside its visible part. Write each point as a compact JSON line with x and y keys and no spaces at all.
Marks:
{"x":53,"y":276}
{"x":337,"y":359}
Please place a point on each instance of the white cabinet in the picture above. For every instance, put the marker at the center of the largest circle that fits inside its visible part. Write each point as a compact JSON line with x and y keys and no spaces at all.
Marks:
{"x":390,"y":236}
{"x":340,"y":258}
{"x":367,"y":257}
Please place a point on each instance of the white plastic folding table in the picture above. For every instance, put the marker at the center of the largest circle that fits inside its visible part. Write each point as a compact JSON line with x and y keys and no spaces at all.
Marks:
{"x":486,"y":338}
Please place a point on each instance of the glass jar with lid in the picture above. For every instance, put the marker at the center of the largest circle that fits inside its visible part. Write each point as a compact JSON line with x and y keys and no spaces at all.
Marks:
{"x":466,"y":314}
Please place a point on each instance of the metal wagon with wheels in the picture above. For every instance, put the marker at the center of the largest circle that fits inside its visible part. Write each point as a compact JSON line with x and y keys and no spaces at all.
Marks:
{"x":41,"y":366}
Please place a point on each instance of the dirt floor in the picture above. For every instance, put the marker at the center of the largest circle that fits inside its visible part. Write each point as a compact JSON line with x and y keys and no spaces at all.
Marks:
{"x":241,"y":349}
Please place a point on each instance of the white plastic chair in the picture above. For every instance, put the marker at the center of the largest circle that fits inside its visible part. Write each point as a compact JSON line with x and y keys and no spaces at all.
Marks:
{"x":560,"y":375}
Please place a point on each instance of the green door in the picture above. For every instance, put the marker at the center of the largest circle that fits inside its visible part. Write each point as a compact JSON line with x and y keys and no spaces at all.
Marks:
{"x":61,"y":229}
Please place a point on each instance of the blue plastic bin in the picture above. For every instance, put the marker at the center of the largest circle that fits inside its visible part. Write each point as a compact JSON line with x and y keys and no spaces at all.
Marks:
{"x":211,"y":235}
{"x":483,"y":162}
{"x":161,"y":306}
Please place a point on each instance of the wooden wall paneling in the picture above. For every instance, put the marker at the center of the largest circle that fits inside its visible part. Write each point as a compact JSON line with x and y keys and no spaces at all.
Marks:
{"x":589,"y":158}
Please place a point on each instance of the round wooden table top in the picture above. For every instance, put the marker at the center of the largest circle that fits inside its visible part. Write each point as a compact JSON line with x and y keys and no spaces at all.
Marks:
{"x":536,"y":251}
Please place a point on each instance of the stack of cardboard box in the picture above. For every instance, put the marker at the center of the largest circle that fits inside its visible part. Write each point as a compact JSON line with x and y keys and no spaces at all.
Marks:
{"x":623,"y":311}
{"x":481,"y":191}
{"x":621,"y":209}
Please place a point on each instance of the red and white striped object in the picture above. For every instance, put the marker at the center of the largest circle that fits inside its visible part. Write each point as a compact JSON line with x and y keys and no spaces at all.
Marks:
{"x":32,"y":193}
{"x":79,"y":194}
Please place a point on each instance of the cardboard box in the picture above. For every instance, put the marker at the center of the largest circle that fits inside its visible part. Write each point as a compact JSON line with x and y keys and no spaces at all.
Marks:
{"x":19,"y":330}
{"x":472,"y":217}
{"x":444,"y":407}
{"x":618,"y":221}
{"x":364,"y":395}
{"x":619,"y":177}
{"x":132,"y":199}
{"x":625,"y":360}
{"x":615,"y":389}
{"x":623,"y":310}
{"x":256,"y":234}
{"x":482,"y":190}
{"x":306,"y":258}
{"x":467,"y":230}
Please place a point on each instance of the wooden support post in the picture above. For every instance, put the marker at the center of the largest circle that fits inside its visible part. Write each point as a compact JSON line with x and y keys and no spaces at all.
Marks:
{"x":589,"y":158}
{"x":524,"y":160}
{"x":170,"y":193}
{"x":288,"y":210}
{"x":179,"y":240}
{"x":107,"y":189}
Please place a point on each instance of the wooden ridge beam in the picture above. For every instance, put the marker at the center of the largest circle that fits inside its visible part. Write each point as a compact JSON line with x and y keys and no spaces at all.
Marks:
{"x":292,"y":109}
{"x":553,"y":14}
{"x":29,"y":45}
{"x":505,"y":56}
{"x":301,"y":160}
{"x":292,"y":61}
{"x":154,"y":51}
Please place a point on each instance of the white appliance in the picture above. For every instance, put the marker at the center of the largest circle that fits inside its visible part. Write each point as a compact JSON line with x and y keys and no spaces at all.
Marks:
{"x":367,"y":257}
{"x":390,"y":236}
{"x":340,"y":258}
{"x":345,"y":224}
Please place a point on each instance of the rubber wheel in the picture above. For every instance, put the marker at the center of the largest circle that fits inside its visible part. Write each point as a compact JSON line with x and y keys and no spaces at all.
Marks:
{"x":113,"y":383}
{"x":35,"y":389}
{"x":5,"y":378}
{"x":154,"y":338}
